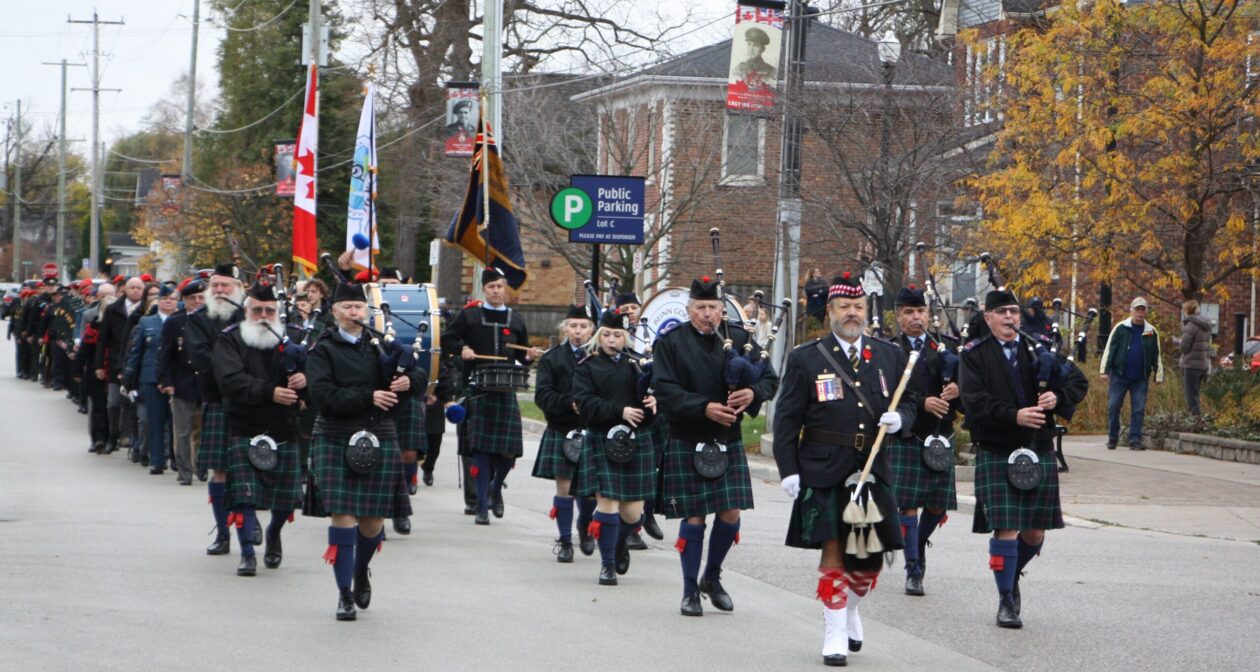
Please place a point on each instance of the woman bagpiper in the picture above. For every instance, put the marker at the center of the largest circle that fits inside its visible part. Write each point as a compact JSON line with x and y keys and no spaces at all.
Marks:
{"x":357,"y":463}
{"x":618,"y":464}
{"x":553,"y":392}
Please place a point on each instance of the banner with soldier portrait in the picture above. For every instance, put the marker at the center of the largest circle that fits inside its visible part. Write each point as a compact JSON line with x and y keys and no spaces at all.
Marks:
{"x":462,"y":106}
{"x":755,"y":56}
{"x":286,"y":171}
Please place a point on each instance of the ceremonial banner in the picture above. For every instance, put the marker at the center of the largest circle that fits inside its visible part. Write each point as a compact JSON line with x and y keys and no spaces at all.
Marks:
{"x":500,"y":245}
{"x":305,"y":244}
{"x":171,"y":184}
{"x":462,"y":109}
{"x":286,"y":176}
{"x":755,"y":49}
{"x":361,"y":218}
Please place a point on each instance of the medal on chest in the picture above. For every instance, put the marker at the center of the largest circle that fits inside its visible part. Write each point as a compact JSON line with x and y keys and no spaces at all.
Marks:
{"x":828,"y":388}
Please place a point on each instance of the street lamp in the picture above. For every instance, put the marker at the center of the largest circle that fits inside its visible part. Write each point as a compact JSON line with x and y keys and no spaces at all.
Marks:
{"x":889,"y":53}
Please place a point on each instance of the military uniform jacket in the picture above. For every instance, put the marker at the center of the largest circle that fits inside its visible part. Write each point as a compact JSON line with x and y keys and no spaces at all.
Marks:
{"x":487,"y":332}
{"x":341,"y":377}
{"x":688,"y":373}
{"x":248,"y":377}
{"x":807,"y":377}
{"x":927,"y":378}
{"x":175,"y":369}
{"x":553,"y":387}
{"x":991,"y":400}
{"x":111,"y":346}
{"x":603,"y":387}
{"x":199,"y":336}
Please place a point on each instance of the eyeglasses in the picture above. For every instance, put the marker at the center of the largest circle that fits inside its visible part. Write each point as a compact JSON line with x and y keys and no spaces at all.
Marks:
{"x":1010,"y":310}
{"x":262,"y":310}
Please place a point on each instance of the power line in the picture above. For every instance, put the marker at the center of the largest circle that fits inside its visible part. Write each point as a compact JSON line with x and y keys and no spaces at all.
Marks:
{"x":262,"y":25}
{"x":257,"y":121}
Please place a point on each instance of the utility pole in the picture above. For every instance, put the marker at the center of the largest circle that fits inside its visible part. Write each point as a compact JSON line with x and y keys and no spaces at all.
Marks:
{"x":192,"y":97}
{"x":17,"y":197}
{"x":492,"y":68}
{"x":315,"y":36}
{"x":61,"y":171}
{"x":95,"y":237}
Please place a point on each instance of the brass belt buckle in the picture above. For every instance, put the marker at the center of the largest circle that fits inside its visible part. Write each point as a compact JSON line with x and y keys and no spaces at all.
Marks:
{"x":859,"y":442}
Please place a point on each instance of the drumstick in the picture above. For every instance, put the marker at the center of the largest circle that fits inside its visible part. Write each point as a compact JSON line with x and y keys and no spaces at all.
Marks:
{"x":494,"y":357}
{"x":517,"y":347}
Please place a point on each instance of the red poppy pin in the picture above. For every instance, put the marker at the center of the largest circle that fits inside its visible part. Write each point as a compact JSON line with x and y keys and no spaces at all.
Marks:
{"x":933,"y":345}
{"x":507,"y":332}
{"x":866,"y":353}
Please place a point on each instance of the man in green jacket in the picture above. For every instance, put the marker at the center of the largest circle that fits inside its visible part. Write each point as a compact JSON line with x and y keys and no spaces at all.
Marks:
{"x":1131,"y":355}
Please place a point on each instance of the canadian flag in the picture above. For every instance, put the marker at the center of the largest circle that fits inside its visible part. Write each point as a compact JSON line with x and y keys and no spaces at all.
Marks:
{"x":305,"y":244}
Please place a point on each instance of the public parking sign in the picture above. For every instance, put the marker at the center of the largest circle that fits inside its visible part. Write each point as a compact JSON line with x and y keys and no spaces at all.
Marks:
{"x":604,"y":209}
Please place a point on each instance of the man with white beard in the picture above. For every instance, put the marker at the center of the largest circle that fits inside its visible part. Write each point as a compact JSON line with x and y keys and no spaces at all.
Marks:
{"x":204,"y":327}
{"x":260,"y":385}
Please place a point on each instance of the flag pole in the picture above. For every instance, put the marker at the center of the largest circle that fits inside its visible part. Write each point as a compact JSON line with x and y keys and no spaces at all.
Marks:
{"x":485,"y":173}
{"x":371,"y":176}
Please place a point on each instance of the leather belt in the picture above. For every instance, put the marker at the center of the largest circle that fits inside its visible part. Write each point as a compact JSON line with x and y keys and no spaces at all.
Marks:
{"x":857,"y":441}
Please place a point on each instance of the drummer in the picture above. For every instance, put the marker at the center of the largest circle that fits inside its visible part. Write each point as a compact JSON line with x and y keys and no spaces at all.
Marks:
{"x":410,"y":420}
{"x":482,"y":333}
{"x":628,"y":304}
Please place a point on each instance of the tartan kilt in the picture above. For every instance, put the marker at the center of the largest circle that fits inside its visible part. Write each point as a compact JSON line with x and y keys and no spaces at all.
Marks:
{"x":551,"y":462}
{"x":1000,"y":506}
{"x":410,"y":425}
{"x":279,"y":489}
{"x":380,"y":494}
{"x":633,"y":481}
{"x":493,"y":424}
{"x":213,"y":452}
{"x":683,"y":493}
{"x":660,"y":437}
{"x":914,"y":485}
{"x":818,"y":516}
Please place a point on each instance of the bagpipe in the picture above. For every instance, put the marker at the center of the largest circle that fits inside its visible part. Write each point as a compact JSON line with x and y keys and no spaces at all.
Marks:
{"x":1049,"y":372}
{"x":292,"y":355}
{"x":1087,"y":319}
{"x":949,"y":359}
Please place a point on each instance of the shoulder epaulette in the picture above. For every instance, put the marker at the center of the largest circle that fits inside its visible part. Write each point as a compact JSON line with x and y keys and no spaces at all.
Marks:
{"x":806,"y":344}
{"x":974,"y":342}
{"x":231,"y":327}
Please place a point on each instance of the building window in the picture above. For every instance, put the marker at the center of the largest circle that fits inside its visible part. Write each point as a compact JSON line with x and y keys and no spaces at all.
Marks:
{"x":984,"y":87}
{"x":742,"y":145}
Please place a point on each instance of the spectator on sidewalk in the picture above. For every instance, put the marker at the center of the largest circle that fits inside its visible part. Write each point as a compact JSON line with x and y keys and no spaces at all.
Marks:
{"x":816,"y":294}
{"x":1195,"y":347}
{"x":1131,"y":356}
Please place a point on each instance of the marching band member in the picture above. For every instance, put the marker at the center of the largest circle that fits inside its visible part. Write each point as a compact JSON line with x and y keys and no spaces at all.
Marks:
{"x":628,"y":304}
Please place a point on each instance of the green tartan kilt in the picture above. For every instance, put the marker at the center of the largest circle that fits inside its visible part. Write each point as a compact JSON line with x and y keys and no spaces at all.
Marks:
{"x":279,"y":489}
{"x":493,"y":424}
{"x":410,"y":424}
{"x":684,"y":493}
{"x":818,"y":516}
{"x":660,"y":437}
{"x":633,"y":481}
{"x":551,"y":462}
{"x":1000,"y":506}
{"x":380,"y":494}
{"x":213,"y":453}
{"x":914,"y":485}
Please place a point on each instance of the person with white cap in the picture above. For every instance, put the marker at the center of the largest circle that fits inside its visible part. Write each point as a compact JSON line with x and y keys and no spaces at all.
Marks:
{"x":1131,"y":356}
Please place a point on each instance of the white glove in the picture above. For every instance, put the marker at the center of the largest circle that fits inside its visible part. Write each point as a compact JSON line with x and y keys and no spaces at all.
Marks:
{"x":892,"y":420}
{"x":791,"y":485}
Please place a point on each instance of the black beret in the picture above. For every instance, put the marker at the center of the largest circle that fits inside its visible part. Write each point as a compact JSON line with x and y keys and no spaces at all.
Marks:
{"x":704,"y":289}
{"x":577,"y":313}
{"x":628,"y":297}
{"x":911,"y":298}
{"x":614,"y":319}
{"x":998,"y":298}
{"x":262,"y":291}
{"x":228,"y":271}
{"x":490,"y":274}
{"x":845,"y":286}
{"x":348,"y":292}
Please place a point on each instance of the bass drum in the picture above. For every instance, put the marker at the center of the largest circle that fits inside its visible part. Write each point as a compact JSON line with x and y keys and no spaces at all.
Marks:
{"x":668,"y":309}
{"x":413,"y":313}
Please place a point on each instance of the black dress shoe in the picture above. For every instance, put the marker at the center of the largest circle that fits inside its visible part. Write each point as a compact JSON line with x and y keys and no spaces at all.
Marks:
{"x":653,"y":530}
{"x":257,"y":539}
{"x":914,"y":585}
{"x":362,"y":588}
{"x":109,"y":448}
{"x":836,"y":660}
{"x":564,"y":551}
{"x":1137,"y":446}
{"x":96,"y":447}
{"x":221,"y":546}
{"x":157,"y":471}
{"x":427,"y":478}
{"x":202,"y":475}
{"x":496,"y":505}
{"x":482,"y":518}
{"x":607,"y":575}
{"x":411,"y":488}
{"x":1063,"y":469}
{"x":402,"y":525}
{"x":185,"y":481}
{"x":345,"y":606}
{"x":1111,"y":445}
{"x":248,"y":566}
{"x":133,"y":456}
{"x":691,"y":605}
{"x":622,"y":557}
{"x":1008,"y":616}
{"x":273,"y":553}
{"x":717,"y":594}
{"x":470,"y":510}
{"x":586,"y":543}
{"x":635,"y":542}
{"x":855,"y":645}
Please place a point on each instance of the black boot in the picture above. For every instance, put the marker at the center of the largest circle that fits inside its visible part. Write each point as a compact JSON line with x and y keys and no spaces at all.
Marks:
{"x":402,"y":525}
{"x":273,"y":553}
{"x":653,"y":530}
{"x":716,"y":593}
{"x":622,"y":556}
{"x":248,"y":566}
{"x":496,"y":504}
{"x":564,"y":551}
{"x":691,"y":605}
{"x":1008,"y":615}
{"x":221,"y":546}
{"x":482,"y":518}
{"x":607,"y":575}
{"x":345,"y":606}
{"x":635,"y":542}
{"x":258,"y":535}
{"x":362,"y":588}
{"x":586,"y":543}
{"x":914,"y":585}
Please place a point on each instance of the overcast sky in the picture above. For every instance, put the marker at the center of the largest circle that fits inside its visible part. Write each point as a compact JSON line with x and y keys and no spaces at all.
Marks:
{"x":142,"y":57}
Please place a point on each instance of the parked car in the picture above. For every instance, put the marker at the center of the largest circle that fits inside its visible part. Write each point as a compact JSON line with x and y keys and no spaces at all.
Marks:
{"x":10,"y":293}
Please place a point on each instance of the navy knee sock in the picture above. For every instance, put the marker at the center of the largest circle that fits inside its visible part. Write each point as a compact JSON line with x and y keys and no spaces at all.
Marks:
{"x":910,"y":530}
{"x":278,"y":519}
{"x":502,"y":465}
{"x":340,"y":554}
{"x":481,"y":475}
{"x":1003,"y":560}
{"x":928,"y":522}
{"x":690,"y":547}
{"x":564,"y":516}
{"x":628,"y":528}
{"x":609,"y":528}
{"x":721,"y":539}
{"x":365,"y":548}
{"x":1026,"y":553}
{"x":245,"y":530}
{"x":586,"y":513}
{"x":217,"y":491}
{"x":410,"y":471}
{"x":647,"y":509}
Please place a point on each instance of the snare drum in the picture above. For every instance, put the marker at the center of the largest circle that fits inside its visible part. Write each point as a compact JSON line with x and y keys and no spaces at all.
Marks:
{"x":668,"y":309}
{"x":500,"y":378}
{"x":413,"y":313}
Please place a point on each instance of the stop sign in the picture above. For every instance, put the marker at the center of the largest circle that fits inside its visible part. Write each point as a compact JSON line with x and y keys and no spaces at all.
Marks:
{"x":50,"y":270}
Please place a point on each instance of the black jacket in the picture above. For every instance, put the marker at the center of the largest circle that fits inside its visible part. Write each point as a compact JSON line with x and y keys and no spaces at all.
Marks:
{"x":248,"y":377}
{"x":927,"y":379}
{"x":111,"y":347}
{"x":341,"y":377}
{"x":553,"y":387}
{"x":603,"y":388}
{"x":199,"y":336}
{"x":483,"y":331}
{"x":688,"y":375}
{"x":824,"y":464}
{"x":174,"y":367}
